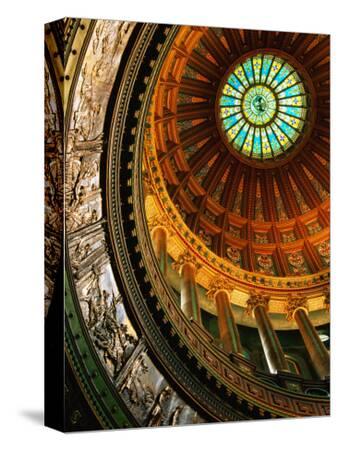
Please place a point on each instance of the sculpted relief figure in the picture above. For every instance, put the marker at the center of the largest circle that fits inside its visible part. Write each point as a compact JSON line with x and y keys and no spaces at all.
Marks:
{"x":80,"y":181}
{"x":92,"y":298}
{"x":98,"y":33}
{"x":53,"y":193}
{"x":51,"y":124}
{"x":157,"y":414}
{"x":52,"y":252}
{"x":175,"y":416}
{"x":79,"y":254}
{"x":99,"y":70}
{"x":83,"y":170}
{"x":139,"y":394}
{"x":110,"y":336}
{"x":88,"y":109}
{"x":111,"y":36}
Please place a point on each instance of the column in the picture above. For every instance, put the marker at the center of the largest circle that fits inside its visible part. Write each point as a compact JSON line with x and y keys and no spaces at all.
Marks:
{"x":220,"y":291}
{"x":297,"y":309}
{"x":257,"y":305}
{"x":160,"y":231}
{"x":159,"y":238}
{"x":187,"y":267}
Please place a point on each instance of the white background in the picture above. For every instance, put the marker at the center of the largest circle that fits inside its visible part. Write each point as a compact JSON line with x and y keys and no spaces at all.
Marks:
{"x":21,"y":207}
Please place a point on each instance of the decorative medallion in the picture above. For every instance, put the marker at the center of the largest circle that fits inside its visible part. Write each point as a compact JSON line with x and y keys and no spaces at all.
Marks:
{"x":234,"y":255}
{"x":324,"y":252}
{"x":265,"y":264}
{"x":297,"y":263}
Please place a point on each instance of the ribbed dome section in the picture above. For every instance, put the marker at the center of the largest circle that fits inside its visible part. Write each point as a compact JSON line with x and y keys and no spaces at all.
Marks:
{"x":267,"y":214}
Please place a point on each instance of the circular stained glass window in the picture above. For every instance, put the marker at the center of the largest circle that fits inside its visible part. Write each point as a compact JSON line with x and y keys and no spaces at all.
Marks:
{"x":263,"y":107}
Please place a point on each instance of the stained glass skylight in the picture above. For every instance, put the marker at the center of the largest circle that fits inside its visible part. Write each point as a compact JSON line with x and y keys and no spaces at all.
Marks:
{"x":263,"y":107}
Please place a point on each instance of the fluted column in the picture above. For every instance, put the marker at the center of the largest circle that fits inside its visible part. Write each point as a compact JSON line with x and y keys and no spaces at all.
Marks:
{"x":257,"y":305}
{"x":219,"y":291}
{"x":160,"y":231}
{"x":297,"y":309}
{"x":187,"y":267}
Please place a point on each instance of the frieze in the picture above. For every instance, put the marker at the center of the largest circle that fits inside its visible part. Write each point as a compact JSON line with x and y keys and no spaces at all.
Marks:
{"x":53,"y":190}
{"x":149,"y":396}
{"x":97,"y":76}
{"x":112,"y":338}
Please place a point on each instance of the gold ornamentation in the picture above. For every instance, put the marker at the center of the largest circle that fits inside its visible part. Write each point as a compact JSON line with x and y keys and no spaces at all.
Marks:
{"x":234,"y":254}
{"x":324,"y":251}
{"x":161,"y":221}
{"x":184,"y":258}
{"x":265,"y":264}
{"x":147,"y":184}
{"x":295,"y":302}
{"x":211,"y":263}
{"x":257,"y":298}
{"x":219,"y":284}
{"x":297,"y":263}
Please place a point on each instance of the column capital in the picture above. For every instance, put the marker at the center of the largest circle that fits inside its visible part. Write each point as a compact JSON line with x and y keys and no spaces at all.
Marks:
{"x":219,"y":284}
{"x":295,"y":302}
{"x":160,"y":221}
{"x":257,"y":298}
{"x":184,"y":258}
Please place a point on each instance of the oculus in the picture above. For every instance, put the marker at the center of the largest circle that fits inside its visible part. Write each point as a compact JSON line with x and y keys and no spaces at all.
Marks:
{"x":262,"y":107}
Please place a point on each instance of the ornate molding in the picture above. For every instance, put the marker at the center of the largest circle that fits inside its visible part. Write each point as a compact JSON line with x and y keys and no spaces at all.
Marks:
{"x":161,"y":221}
{"x":148,"y":185}
{"x":257,"y":299}
{"x":219,"y":284}
{"x":186,"y":258}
